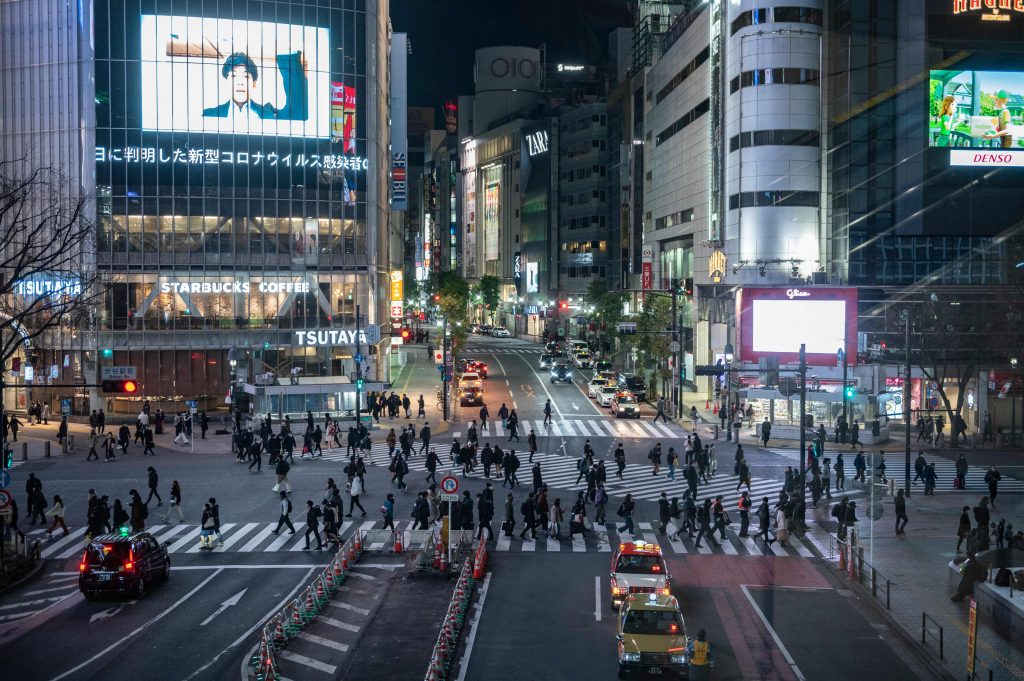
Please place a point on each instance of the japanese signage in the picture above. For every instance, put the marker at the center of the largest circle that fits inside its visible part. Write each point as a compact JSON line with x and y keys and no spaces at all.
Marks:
{"x":343,"y":116}
{"x":190,"y":156}
{"x":972,"y":636}
{"x":716,"y":267}
{"x":397,"y":289}
{"x":647,"y":276}
{"x":118,"y":373}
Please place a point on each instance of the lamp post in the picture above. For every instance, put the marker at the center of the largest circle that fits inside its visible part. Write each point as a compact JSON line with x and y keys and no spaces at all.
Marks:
{"x":728,"y":391}
{"x":1013,"y":402}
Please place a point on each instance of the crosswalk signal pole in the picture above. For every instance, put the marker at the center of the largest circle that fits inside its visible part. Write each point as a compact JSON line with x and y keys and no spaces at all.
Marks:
{"x":803,"y":429}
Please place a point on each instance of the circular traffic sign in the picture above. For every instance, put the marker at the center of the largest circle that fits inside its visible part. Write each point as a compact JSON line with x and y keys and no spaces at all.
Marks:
{"x":449,"y":485}
{"x":6,"y":498}
{"x":5,"y":479}
{"x":358,"y":358}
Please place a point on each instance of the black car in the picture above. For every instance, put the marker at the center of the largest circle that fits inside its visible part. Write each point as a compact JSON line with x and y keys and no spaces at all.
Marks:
{"x":633,"y":384}
{"x":122,"y":564}
{"x":553,"y":349}
{"x":601,"y":365}
{"x":561,"y":373}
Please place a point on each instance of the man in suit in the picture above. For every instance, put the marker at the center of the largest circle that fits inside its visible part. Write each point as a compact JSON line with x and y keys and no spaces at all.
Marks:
{"x":241,"y":73}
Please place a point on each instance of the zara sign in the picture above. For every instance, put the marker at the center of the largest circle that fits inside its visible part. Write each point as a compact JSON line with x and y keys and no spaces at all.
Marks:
{"x":537,"y":142}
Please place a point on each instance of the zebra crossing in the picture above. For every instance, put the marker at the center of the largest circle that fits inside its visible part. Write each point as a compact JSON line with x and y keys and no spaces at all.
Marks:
{"x":600,"y":538}
{"x":945,"y":471}
{"x":560,"y":472}
{"x":583,"y":427}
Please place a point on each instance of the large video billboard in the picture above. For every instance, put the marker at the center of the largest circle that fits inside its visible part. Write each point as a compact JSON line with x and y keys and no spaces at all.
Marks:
{"x":976,"y":110}
{"x":774,"y":322}
{"x":234,"y":76}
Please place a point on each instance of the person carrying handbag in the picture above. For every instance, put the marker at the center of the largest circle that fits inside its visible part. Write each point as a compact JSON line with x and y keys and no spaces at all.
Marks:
{"x":208,"y":525}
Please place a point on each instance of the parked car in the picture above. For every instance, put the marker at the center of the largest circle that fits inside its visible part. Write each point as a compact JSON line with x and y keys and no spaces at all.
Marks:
{"x":122,"y":563}
{"x":595,"y":386}
{"x":561,"y":373}
{"x":625,"y":404}
{"x":606,"y":394}
{"x":500,"y":332}
{"x":484,"y":329}
{"x":634,"y":384}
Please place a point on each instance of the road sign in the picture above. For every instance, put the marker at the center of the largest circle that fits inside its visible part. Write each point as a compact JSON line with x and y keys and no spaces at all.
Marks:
{"x":5,"y":479}
{"x":358,"y":357}
{"x":6,"y":498}
{"x":449,"y":484}
{"x":448,"y":497}
{"x":117,"y":373}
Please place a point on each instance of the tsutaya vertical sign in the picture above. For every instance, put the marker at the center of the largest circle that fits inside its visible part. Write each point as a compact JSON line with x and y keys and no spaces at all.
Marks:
{"x":995,"y":6}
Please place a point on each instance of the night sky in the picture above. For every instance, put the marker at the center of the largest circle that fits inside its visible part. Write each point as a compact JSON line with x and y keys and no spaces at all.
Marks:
{"x":445,"y":34}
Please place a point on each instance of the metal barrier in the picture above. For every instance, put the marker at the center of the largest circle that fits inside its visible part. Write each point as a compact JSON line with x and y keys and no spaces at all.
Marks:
{"x":285,"y":624}
{"x":925,"y":618}
{"x":447,"y":639}
{"x":851,"y":561}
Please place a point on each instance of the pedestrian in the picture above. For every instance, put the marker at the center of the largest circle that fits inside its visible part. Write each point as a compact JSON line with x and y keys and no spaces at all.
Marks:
{"x":743,"y":471}
{"x":215,"y":509}
{"x":698,"y":652}
{"x":139,"y":511}
{"x":207,"y":525}
{"x":744,"y":506}
{"x":982,"y":518}
{"x":147,"y":442}
{"x":528,"y":510}
{"x":124,"y":434}
{"x":256,"y":455}
{"x":120,"y":516}
{"x":531,"y":441}
{"x":108,"y":448}
{"x":354,"y":491}
{"x":972,"y":571}
{"x":704,"y":523}
{"x":766,"y":431}
{"x":664,"y":512}
{"x":626,"y":513}
{"x":421,"y":407}
{"x":556,"y":519}
{"x":963,"y":529}
{"x":425,"y":438}
{"x":673,"y":461}
{"x":93,"y":442}
{"x":855,"y":434}
{"x":285,"y":518}
{"x":513,"y":425}
{"x":654,"y":456}
{"x":600,"y":503}
{"x":57,"y":512}
{"x":992,"y":478}
{"x":661,"y":411}
{"x":859,"y":466}
{"x":281,"y":470}
{"x":721,"y":517}
{"x":421,"y":512}
{"x":435,"y":504}
{"x":840,"y":472}
{"x":174,"y":499}
{"x":485,"y":512}
{"x":484,"y":415}
{"x":153,"y":480}
{"x":62,"y":430}
{"x":503,"y":415}
{"x":620,"y":461}
{"x":432,"y":460}
{"x":692,"y":478}
{"x":781,"y":526}
{"x":547,"y":412}
{"x":509,"y":524}
{"x":32,"y":486}
{"x":826,"y":478}
{"x":900,"y":502}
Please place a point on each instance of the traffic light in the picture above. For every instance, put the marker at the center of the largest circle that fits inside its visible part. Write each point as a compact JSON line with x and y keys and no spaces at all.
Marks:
{"x":405,"y":334}
{"x":437,"y":297}
{"x":123,"y":387}
{"x":107,"y":353}
{"x":8,"y":461}
{"x":850,"y":392}
{"x":563,"y":305}
{"x":359,"y":384}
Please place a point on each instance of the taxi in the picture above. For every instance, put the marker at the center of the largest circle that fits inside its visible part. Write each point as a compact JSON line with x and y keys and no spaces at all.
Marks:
{"x":595,"y":385}
{"x":652,"y":637}
{"x":625,"y":404}
{"x":471,"y":389}
{"x":638,"y":568}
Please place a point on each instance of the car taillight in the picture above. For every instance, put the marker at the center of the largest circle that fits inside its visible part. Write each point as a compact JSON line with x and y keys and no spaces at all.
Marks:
{"x":666,"y":592}
{"x":618,"y":591}
{"x":81,"y":567}
{"x":129,"y":566}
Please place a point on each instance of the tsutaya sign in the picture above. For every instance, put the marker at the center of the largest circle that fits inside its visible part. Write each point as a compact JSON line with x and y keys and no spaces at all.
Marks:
{"x":325,"y":337}
{"x":235,"y":286}
{"x":961,"y":6}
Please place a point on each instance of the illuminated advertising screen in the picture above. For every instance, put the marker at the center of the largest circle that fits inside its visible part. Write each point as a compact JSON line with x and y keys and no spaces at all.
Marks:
{"x":234,"y":76}
{"x":492,"y":208}
{"x":978,"y":115}
{"x":774,"y":322}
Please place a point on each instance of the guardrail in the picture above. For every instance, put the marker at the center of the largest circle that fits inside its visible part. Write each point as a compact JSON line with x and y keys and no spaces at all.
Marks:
{"x":940,"y":638}
{"x":851,"y":561}
{"x":447,"y":639}
{"x":285,"y":624}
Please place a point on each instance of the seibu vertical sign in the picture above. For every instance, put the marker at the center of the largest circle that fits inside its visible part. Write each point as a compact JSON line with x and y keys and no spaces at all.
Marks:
{"x":399,"y":116}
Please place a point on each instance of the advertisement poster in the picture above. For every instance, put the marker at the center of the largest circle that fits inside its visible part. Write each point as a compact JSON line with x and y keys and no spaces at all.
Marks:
{"x":976,"y":109}
{"x":234,"y":76}
{"x":492,"y":207}
{"x":469,"y":212}
{"x":343,"y":116}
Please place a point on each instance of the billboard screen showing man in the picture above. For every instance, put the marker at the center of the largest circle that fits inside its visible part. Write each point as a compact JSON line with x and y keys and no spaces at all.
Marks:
{"x":234,"y":76}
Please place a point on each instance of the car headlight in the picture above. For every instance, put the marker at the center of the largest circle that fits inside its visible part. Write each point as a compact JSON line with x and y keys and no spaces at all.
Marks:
{"x":679,"y":659}
{"x":630,"y":657}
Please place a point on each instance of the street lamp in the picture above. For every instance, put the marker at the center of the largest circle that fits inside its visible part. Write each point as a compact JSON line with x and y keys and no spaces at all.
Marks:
{"x":1013,"y":402}
{"x":728,"y":391}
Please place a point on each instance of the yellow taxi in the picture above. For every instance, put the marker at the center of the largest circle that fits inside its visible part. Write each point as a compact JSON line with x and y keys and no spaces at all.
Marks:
{"x":638,"y":568}
{"x":652,"y":637}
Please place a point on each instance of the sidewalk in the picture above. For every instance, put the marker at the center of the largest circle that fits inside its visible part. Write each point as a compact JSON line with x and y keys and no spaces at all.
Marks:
{"x":916,"y":564}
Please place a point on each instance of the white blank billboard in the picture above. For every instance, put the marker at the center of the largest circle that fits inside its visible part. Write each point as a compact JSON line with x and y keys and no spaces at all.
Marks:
{"x":782,"y":325}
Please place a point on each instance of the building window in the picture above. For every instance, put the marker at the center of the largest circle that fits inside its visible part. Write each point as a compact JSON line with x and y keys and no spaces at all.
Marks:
{"x":687,"y":118}
{"x":793,"y":15}
{"x":760,"y":138}
{"x":674,"y":219}
{"x":683,"y":74}
{"x":774,"y":199}
{"x":751,"y":17}
{"x":776,"y":76}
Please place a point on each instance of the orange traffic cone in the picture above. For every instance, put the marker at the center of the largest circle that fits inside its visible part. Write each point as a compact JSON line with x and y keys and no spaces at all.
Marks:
{"x":351,"y":551}
{"x":320,"y":592}
{"x":842,"y":558}
{"x":853,"y":565}
{"x":398,"y":542}
{"x":344,"y":563}
{"x":310,"y":606}
{"x":438,"y":553}
{"x":338,"y":571}
{"x":444,"y":559}
{"x":707,"y":404}
{"x":358,"y":542}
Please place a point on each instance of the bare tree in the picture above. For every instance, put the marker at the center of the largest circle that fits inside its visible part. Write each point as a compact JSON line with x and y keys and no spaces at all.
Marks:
{"x":47,"y":281}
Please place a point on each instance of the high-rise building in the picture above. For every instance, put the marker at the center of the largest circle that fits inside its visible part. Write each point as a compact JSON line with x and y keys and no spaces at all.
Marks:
{"x":238,"y":155}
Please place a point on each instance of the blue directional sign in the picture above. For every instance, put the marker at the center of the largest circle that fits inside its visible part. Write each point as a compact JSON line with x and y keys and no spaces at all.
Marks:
{"x":358,"y":357}
{"x":5,"y":479}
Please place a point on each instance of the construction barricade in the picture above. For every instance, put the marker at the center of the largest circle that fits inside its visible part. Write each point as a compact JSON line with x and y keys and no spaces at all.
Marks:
{"x":286,"y":623}
{"x":448,"y":637}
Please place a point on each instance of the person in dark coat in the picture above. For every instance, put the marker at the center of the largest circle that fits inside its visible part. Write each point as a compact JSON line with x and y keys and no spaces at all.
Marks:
{"x":963,"y":529}
{"x":484,"y":512}
{"x":529,"y":513}
{"x":992,"y":478}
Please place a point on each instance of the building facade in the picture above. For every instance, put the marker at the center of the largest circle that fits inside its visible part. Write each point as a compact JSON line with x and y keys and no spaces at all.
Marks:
{"x":239,"y":160}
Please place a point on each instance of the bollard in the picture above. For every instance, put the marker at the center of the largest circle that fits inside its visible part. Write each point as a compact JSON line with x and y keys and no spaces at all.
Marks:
{"x":71,"y":443}
{"x":64,"y":446}
{"x":860,"y":564}
{"x":24,"y":451}
{"x":46,"y":451}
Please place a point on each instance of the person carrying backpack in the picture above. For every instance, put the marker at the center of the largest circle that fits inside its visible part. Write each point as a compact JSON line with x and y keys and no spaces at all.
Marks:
{"x":284,"y":519}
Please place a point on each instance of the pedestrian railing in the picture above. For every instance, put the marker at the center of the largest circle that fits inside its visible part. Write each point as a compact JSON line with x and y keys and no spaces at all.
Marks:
{"x":851,"y":561}
{"x":285,"y":624}
{"x":935,"y":631}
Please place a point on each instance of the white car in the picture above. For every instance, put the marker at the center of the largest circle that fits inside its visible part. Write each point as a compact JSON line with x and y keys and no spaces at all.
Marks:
{"x":594,"y":387}
{"x":581,"y":359}
{"x":500,"y":332}
{"x":606,"y":394}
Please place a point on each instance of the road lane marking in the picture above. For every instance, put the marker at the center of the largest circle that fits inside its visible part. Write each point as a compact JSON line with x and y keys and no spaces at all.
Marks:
{"x":308,"y":662}
{"x":198,"y":547}
{"x":281,"y":540}
{"x":63,"y":543}
{"x":50,"y":590}
{"x":261,"y":566}
{"x":774,"y":634}
{"x":361,"y":576}
{"x":224,"y":606}
{"x":19,"y":615}
{"x":597,"y":598}
{"x":184,"y":541}
{"x":38,"y":601}
{"x":473,"y":626}
{"x":120,"y":642}
{"x":337,"y":623}
{"x":234,"y":538}
{"x":325,"y":642}
{"x":348,"y":606}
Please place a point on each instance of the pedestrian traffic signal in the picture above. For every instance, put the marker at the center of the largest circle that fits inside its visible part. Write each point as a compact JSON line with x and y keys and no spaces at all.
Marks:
{"x":405,"y":334}
{"x":123,"y":387}
{"x":437,"y":297}
{"x":359,"y":384}
{"x":8,"y":458}
{"x":850,"y":392}
{"x":107,"y":353}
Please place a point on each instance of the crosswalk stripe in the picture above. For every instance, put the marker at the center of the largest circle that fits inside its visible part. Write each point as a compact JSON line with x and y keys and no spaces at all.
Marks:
{"x":170,"y":532}
{"x":260,"y":537}
{"x":236,"y":537}
{"x":72,"y":538}
{"x":281,"y":540}
{"x":223,"y":528}
{"x":187,"y":539}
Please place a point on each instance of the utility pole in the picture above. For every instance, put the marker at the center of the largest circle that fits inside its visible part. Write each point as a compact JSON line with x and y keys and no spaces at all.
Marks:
{"x":359,"y":369}
{"x":676,"y":387}
{"x":803,"y":429}
{"x":906,"y":404}
{"x":846,"y":366}
{"x":446,"y":345}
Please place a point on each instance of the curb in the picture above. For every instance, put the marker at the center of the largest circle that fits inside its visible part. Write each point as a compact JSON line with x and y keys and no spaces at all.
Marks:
{"x":32,"y":574}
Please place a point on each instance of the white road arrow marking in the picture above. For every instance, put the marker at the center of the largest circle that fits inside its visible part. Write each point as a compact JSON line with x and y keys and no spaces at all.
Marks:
{"x":575,"y":406}
{"x":110,"y":612}
{"x":224,"y":606}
